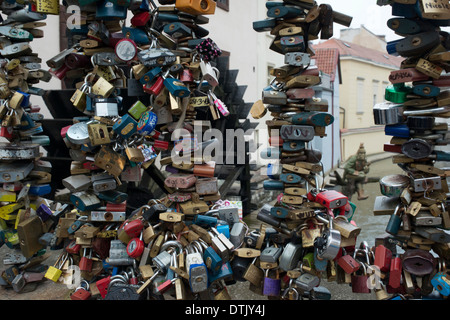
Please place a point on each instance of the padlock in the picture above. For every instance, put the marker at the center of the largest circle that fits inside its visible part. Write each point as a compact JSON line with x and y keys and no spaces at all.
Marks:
{"x":360,"y":281}
{"x":395,"y":272}
{"x":197,"y":270}
{"x":135,"y":247}
{"x":80,"y":294}
{"x":328,"y":244}
{"x":395,"y":220}
{"x":54,"y":272}
{"x":271,"y":287}
{"x":98,"y":134}
{"x":147,"y":123}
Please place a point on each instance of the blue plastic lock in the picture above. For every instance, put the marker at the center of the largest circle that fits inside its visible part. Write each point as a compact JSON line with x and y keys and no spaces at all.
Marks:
{"x":147,"y":123}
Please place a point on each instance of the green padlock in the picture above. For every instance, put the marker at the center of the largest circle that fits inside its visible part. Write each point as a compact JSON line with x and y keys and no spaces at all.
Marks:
{"x":137,"y":109}
{"x":397,"y":94}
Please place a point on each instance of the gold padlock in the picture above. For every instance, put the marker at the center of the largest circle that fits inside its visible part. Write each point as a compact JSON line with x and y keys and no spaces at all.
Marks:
{"x":139,"y":70}
{"x":105,"y":72}
{"x":47,"y":6}
{"x":135,"y":154}
{"x":98,"y":134}
{"x":434,"y":9}
{"x":16,"y":100}
{"x":102,"y":87}
{"x":78,"y":98}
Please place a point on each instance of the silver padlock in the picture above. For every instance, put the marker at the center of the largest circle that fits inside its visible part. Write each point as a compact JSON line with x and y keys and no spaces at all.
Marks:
{"x":329,"y":243}
{"x":307,"y":282}
{"x":106,"y":107}
{"x":78,"y":133}
{"x":297,"y":59}
{"x":387,"y":113}
{"x":290,"y":256}
{"x":237,"y":234}
{"x":77,"y":183}
{"x":270,"y":254}
{"x":196,"y":268}
{"x":103,"y":182}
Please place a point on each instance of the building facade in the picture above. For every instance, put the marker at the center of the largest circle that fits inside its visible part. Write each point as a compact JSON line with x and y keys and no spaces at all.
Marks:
{"x":365,"y":71}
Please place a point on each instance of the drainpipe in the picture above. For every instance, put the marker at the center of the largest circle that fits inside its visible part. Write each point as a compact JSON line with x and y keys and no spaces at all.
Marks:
{"x":343,"y":127}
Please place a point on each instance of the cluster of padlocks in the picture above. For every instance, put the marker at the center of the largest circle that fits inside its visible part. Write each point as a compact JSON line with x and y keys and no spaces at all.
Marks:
{"x":311,"y":234}
{"x":411,"y":259}
{"x":25,"y":177}
{"x":190,"y":244}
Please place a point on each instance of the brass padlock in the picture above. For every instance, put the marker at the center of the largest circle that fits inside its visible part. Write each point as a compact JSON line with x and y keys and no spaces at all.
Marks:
{"x":134,"y":154}
{"x":102,"y":87}
{"x":110,"y":161}
{"x":98,"y":134}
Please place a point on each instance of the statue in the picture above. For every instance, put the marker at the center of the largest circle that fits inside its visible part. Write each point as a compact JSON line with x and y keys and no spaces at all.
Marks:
{"x":355,"y":173}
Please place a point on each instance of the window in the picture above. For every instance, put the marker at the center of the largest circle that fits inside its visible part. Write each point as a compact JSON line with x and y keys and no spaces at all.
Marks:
{"x":360,"y":95}
{"x":224,"y":4}
{"x":375,"y":87}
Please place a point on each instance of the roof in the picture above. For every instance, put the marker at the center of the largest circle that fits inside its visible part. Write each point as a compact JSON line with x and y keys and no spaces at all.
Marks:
{"x":327,"y":60}
{"x":348,"y":49}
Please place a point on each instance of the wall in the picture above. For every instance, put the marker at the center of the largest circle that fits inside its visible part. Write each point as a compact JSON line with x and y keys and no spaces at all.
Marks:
{"x":47,"y":47}
{"x":371,"y":79}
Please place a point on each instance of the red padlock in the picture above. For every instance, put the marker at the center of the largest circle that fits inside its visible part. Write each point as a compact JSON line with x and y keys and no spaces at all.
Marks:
{"x":140,"y":19}
{"x":155,"y":88}
{"x":86,"y":262}
{"x":135,"y":247}
{"x":395,"y":273}
{"x":73,"y":247}
{"x":186,"y":76}
{"x":64,"y":131}
{"x":116,"y":207}
{"x":383,"y":258}
{"x":102,"y":286}
{"x":332,"y":199}
{"x":134,"y":228}
{"x":348,"y":263}
{"x":159,"y":144}
{"x":6,"y":132}
{"x":61,"y":72}
{"x":80,"y":294}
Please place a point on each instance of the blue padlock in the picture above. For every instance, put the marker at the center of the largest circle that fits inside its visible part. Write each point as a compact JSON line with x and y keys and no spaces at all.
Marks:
{"x":26,"y":122}
{"x":126,"y":126}
{"x":441,"y":283}
{"x":212,"y":260}
{"x":225,"y":229}
{"x":397,"y":130}
{"x":150,"y":75}
{"x":426,"y":90}
{"x":404,"y":10}
{"x":279,"y":212}
{"x":139,"y":36}
{"x":147,"y":123}
{"x":26,"y":99}
{"x":40,"y":190}
{"x":273,"y":185}
{"x":201,"y":219}
{"x":176,"y":88}
{"x":225,"y":271}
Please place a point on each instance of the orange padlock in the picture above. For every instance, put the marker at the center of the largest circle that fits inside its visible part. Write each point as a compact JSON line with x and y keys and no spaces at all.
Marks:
{"x":196,"y":7}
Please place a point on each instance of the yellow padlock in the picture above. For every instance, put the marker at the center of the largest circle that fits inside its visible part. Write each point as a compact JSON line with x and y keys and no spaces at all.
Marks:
{"x":54,"y":272}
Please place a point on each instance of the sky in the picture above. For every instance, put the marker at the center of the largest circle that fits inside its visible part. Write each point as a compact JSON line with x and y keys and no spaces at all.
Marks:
{"x":364,"y":12}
